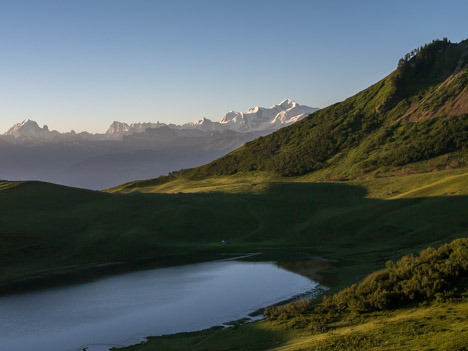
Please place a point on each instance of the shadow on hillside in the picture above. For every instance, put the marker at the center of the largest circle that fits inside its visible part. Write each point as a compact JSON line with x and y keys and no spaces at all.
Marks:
{"x":45,"y":228}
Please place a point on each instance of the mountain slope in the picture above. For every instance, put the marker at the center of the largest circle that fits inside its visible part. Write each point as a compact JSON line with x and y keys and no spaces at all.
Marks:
{"x":375,"y":123}
{"x":418,"y":112}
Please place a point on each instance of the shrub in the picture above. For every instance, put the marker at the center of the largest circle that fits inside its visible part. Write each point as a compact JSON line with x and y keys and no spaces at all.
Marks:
{"x":433,"y":275}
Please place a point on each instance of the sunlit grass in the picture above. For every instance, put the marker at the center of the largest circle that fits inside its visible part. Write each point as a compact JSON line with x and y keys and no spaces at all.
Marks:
{"x":438,"y":183}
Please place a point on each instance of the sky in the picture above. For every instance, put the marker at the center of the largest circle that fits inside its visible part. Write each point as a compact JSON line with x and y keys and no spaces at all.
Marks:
{"x":83,"y":64}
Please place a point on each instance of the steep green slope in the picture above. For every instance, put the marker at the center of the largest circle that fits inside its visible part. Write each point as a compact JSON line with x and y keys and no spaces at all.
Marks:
{"x":418,"y":112}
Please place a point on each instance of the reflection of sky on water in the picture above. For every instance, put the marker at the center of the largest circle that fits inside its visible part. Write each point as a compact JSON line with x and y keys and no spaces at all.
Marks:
{"x":123,"y":309}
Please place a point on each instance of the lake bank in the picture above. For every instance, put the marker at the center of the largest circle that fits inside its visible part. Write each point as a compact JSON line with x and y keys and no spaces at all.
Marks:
{"x":150,"y":302}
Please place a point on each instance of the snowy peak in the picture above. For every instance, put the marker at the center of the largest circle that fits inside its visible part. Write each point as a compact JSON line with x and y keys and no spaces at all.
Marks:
{"x":204,"y":125}
{"x":27,"y":124}
{"x":117,"y":128}
{"x":260,"y":118}
{"x":234,"y":117}
{"x":256,"y":119}
{"x":120,"y":128}
{"x":288,"y":103}
{"x":30,"y":129}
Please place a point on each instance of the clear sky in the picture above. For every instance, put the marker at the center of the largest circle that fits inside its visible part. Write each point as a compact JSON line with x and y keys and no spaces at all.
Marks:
{"x":82,"y":64}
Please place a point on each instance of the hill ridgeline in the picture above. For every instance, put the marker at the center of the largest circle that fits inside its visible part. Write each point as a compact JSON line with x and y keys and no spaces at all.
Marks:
{"x":416,"y":113}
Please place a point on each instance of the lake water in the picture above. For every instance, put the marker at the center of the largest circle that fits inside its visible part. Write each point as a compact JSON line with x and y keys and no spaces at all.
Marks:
{"x":122,"y":310}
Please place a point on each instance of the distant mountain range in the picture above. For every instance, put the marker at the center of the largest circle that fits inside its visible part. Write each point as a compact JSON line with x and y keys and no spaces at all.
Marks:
{"x":257,"y":119}
{"x":133,"y":151}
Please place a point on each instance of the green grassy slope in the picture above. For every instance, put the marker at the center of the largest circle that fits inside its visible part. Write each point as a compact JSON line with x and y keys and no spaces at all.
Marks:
{"x":418,"y":112}
{"x":45,"y":227}
{"x":441,"y":327}
{"x":380,"y":313}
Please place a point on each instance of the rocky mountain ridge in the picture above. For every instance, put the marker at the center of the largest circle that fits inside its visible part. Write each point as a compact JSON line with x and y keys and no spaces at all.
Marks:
{"x":257,"y":119}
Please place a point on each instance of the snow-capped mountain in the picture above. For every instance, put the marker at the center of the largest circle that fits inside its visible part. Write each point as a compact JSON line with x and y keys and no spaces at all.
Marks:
{"x":204,"y":124}
{"x":121,"y":128}
{"x":257,"y":119}
{"x":260,"y":118}
{"x":30,"y":129}
{"x":133,"y":151}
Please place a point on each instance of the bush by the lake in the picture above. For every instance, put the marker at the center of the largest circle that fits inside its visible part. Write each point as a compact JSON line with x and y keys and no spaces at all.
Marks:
{"x":433,"y":275}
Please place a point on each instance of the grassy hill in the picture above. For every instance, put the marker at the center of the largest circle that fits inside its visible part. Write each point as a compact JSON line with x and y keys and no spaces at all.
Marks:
{"x":417,"y":113}
{"x":47,"y":228}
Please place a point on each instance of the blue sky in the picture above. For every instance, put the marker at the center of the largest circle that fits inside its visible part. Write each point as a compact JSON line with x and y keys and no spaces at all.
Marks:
{"x":83,"y":64}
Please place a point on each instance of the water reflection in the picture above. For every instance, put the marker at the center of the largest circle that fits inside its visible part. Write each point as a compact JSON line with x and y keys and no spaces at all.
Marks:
{"x":121,"y":310}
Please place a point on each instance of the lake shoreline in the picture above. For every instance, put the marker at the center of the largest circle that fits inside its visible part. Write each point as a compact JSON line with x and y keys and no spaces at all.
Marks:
{"x":125,"y":308}
{"x":253,"y":317}
{"x":90,"y":272}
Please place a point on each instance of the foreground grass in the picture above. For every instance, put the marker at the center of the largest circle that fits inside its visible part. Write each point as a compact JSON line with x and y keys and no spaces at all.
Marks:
{"x":442,"y":326}
{"x":439,"y":327}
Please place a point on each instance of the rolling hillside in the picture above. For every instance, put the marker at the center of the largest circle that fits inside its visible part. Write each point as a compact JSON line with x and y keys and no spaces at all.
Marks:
{"x":47,"y":228}
{"x":417,"y":113}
